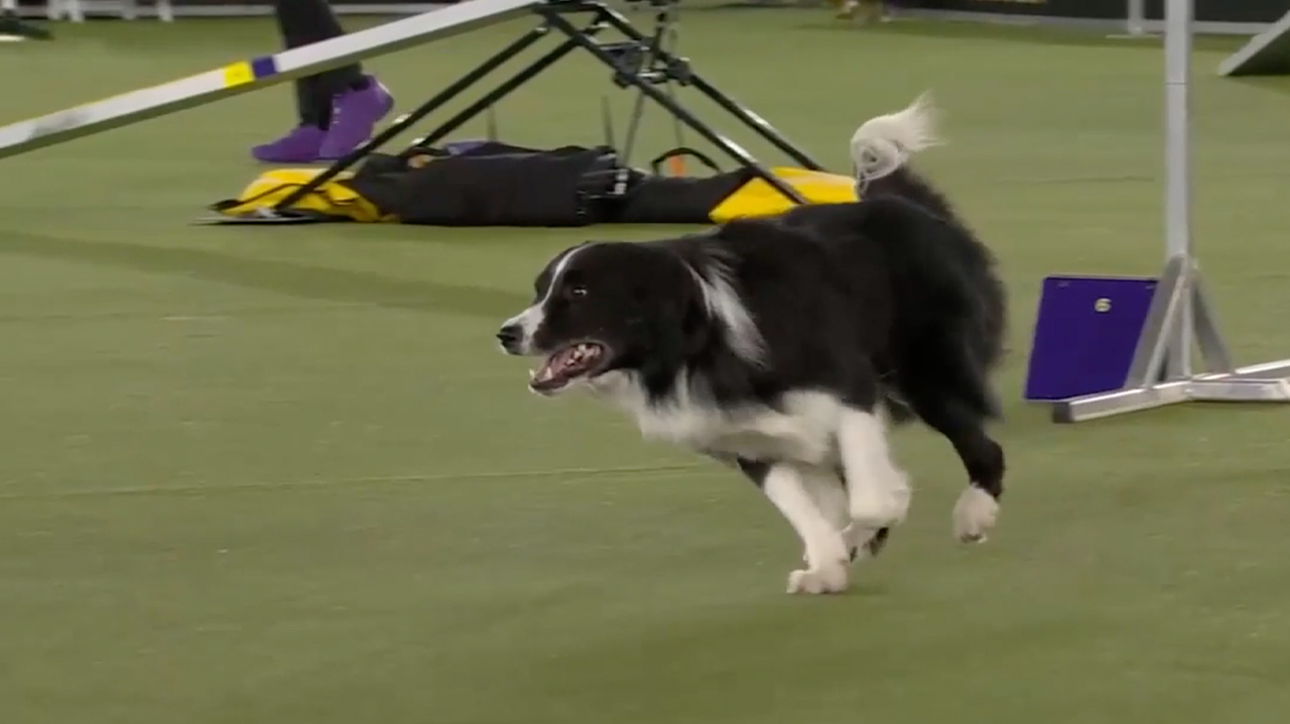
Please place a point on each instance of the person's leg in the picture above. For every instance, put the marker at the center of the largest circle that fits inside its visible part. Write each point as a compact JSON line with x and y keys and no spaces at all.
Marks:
{"x":345,"y":102}
{"x":304,"y":22}
{"x":338,"y":109}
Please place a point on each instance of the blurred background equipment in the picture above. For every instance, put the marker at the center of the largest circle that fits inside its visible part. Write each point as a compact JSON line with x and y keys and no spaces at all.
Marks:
{"x":142,"y":104}
{"x":1267,"y":53}
{"x":644,"y":62}
{"x":13,"y":28}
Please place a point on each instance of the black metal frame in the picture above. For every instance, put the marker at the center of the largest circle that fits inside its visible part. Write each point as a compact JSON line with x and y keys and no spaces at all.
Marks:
{"x":626,"y":61}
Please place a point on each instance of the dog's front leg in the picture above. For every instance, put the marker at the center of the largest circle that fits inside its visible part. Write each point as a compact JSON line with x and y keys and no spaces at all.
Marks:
{"x":829,"y":492}
{"x":877,"y":489}
{"x":826,"y":552}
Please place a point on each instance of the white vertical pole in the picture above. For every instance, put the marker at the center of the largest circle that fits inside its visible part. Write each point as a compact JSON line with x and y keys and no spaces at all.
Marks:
{"x":1178,"y":178}
{"x":1135,"y":23}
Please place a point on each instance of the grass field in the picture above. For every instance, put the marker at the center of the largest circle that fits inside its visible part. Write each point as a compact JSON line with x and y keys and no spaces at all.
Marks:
{"x":283,"y":476}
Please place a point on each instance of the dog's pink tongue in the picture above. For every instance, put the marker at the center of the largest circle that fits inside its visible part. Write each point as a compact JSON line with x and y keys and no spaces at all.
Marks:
{"x":549,"y":374}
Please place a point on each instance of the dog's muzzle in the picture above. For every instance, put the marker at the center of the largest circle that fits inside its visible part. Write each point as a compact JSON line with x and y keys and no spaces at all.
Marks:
{"x":511,"y":337}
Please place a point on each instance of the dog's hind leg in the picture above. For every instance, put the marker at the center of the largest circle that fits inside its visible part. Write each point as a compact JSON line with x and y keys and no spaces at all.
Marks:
{"x":826,"y":551}
{"x":877,"y":489}
{"x":977,"y":509}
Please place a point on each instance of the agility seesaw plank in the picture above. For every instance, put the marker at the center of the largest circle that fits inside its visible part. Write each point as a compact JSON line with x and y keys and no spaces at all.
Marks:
{"x":135,"y":106}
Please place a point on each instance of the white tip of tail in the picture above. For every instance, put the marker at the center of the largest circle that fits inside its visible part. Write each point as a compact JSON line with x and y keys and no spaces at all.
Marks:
{"x":883,"y":144}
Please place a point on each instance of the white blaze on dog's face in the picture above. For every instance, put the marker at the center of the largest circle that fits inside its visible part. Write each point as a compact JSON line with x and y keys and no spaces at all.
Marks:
{"x":527,"y":322}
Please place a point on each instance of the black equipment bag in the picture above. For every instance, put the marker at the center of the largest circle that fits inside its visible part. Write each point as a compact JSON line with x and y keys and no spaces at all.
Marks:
{"x":497,"y":184}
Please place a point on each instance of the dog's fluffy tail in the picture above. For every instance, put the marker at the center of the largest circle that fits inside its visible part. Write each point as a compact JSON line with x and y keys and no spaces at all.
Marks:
{"x":883,"y":144}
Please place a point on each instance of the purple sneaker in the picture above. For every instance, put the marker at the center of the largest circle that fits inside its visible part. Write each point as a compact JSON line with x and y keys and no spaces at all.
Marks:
{"x":354,"y":115}
{"x":301,"y":145}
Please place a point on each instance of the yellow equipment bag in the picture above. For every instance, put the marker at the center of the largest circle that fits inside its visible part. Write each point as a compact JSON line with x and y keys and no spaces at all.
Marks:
{"x":332,"y":200}
{"x":758,"y":198}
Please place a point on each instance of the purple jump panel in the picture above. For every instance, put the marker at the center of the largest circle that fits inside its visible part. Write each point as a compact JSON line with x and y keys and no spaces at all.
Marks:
{"x":1085,"y":335}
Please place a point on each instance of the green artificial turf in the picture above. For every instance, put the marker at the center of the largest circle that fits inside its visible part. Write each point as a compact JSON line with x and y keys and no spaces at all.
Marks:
{"x":282,"y":476}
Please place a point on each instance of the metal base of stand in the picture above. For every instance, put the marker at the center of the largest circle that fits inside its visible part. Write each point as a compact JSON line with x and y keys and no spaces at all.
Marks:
{"x":1260,"y":383}
{"x":1180,"y":311}
{"x":638,"y":63}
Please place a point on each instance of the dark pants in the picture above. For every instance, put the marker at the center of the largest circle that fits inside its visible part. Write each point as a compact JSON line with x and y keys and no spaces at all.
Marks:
{"x":302,"y":22}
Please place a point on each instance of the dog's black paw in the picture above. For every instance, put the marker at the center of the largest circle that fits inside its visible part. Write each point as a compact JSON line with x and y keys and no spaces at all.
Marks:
{"x":871,"y":547}
{"x":876,"y":543}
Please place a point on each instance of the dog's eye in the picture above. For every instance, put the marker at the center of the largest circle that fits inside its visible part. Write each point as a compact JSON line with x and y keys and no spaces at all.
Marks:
{"x":577,"y":291}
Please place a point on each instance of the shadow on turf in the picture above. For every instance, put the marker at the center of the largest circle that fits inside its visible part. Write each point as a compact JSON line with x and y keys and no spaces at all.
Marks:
{"x":296,"y":280}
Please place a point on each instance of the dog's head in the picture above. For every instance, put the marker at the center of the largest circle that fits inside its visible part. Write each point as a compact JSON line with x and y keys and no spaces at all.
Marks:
{"x":607,"y":306}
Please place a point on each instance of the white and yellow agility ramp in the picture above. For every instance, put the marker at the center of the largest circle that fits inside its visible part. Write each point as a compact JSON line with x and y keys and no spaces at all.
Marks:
{"x":1080,"y":321}
{"x":637,"y":61}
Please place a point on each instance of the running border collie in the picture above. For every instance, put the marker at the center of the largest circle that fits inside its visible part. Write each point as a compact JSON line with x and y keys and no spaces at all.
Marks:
{"x":783,"y":347}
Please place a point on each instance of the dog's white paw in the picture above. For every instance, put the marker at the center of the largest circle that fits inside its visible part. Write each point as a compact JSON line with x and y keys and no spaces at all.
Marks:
{"x":975,"y":513}
{"x":831,"y":578}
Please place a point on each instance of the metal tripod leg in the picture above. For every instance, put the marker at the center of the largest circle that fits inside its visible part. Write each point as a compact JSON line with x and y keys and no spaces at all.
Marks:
{"x":497,"y":94}
{"x":722,"y":142}
{"x":759,"y":125}
{"x":661,"y":47}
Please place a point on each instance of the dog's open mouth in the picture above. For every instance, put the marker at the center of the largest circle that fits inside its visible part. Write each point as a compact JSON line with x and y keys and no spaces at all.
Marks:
{"x":567,"y":364}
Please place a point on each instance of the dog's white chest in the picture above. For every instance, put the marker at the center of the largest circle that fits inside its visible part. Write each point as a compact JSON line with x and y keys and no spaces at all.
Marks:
{"x":804,"y":429}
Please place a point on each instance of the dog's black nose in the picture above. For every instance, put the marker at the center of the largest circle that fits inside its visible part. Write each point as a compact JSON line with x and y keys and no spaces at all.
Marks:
{"x":510,"y":336}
